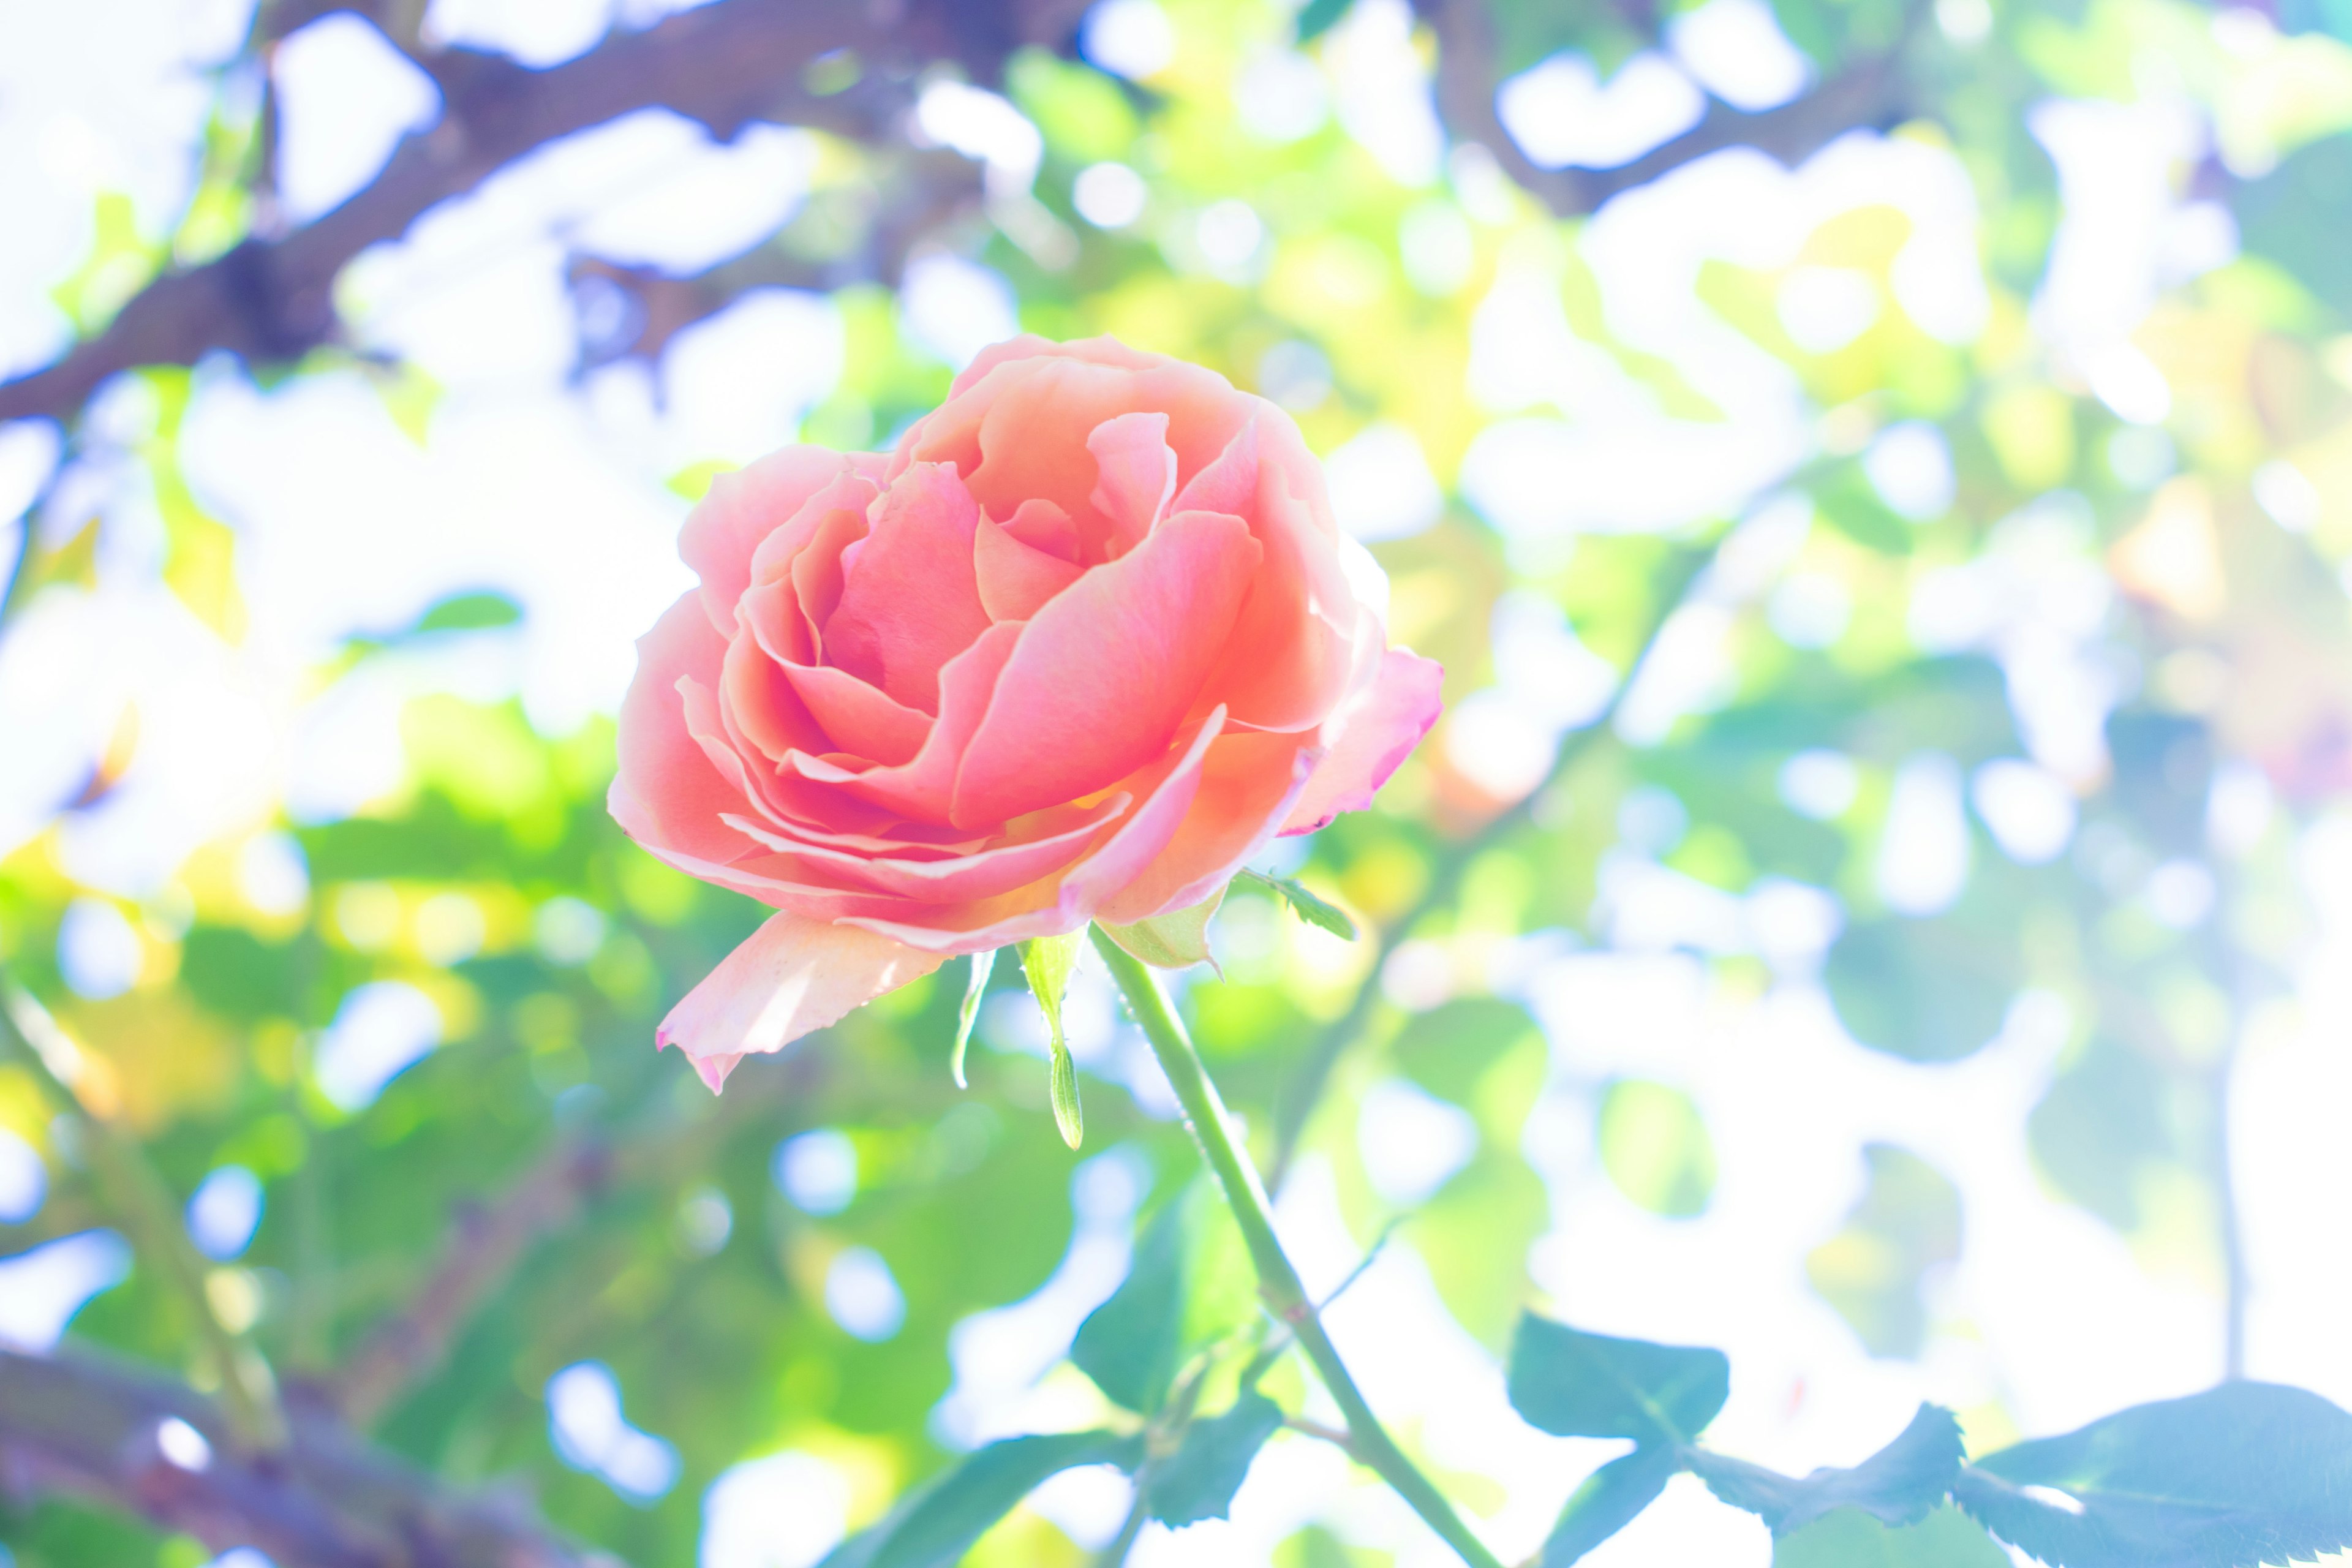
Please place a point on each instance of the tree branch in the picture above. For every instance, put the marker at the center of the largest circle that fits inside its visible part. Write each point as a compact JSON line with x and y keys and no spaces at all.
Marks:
{"x":1868,"y":93}
{"x":487,"y":1242}
{"x":937,"y":187}
{"x":271,"y":300}
{"x":97,"y":1430}
{"x":488,"y":1239}
{"x":141,"y":1201}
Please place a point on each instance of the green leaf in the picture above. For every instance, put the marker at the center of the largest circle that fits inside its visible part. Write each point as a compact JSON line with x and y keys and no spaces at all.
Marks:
{"x":1306,"y":906}
{"x":2243,"y":1474}
{"x":974,"y":985}
{"x":1048,"y":962}
{"x":1653,"y":1144}
{"x":1175,"y":940}
{"x":1575,"y":1385}
{"x":934,"y":1526}
{"x":1317,"y":17}
{"x":1907,"y":1222}
{"x":1129,"y":1345}
{"x":469,"y":613}
{"x":1926,"y":990}
{"x":1848,"y":1538}
{"x":1608,"y":1501}
{"x":1449,"y":1049}
{"x":1901,"y":1484}
{"x":1198,"y":1481}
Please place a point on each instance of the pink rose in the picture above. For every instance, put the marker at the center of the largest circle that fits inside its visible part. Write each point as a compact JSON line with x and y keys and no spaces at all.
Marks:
{"x":1076,"y":651}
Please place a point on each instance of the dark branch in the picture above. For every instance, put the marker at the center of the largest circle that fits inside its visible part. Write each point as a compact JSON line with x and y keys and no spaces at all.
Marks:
{"x":936,"y":188}
{"x":1866,"y":94}
{"x":96,"y":1430}
{"x":723,"y":65}
{"x":485,"y":1242}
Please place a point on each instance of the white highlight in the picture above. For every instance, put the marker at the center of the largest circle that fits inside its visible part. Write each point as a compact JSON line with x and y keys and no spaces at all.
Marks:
{"x":381,"y":1029}
{"x":1561,"y":114}
{"x":1381,"y":484}
{"x":1923,"y":851}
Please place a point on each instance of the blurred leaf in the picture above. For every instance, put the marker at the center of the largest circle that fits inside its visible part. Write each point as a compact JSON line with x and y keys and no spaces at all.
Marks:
{"x":1307,"y":906}
{"x":1317,"y":17}
{"x":1449,"y":1049}
{"x":937,"y":1524}
{"x":1474,"y":1235}
{"x":1608,"y":1501}
{"x":975,"y":985}
{"x":1129,"y":1345}
{"x":1048,"y":962}
{"x":469,"y":612}
{"x":1655,"y":1145}
{"x":2244,"y":1474}
{"x":1575,"y":1385}
{"x":1848,"y":1538}
{"x":1900,"y":1484}
{"x":2103,"y":1122}
{"x":2164,"y":774}
{"x":1906,"y":1221}
{"x":1174,"y":940}
{"x":2274,"y":218}
{"x":1198,"y":1482}
{"x":1851,"y":507}
{"x":1925,"y":990}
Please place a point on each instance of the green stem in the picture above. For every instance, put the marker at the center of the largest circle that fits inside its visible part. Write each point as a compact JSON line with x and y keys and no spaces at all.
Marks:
{"x":1278,"y":1282}
{"x":145,"y":1207}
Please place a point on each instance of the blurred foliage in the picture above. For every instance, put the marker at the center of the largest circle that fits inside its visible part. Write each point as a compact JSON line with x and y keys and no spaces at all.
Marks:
{"x":2150,"y":932}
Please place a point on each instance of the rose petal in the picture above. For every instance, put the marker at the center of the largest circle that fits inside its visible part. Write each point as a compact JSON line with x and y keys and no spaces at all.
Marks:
{"x":1288,"y":661}
{"x":1167,"y":787}
{"x":1135,"y":476}
{"x":860,"y":720}
{"x":964,"y":878}
{"x":742,"y":509}
{"x":922,"y":789}
{"x":759,"y":707}
{"x":1047,"y":527}
{"x":783,"y":796}
{"x":1247,"y":782}
{"x":910,"y":601}
{"x":949,"y":433}
{"x":1021,"y":432}
{"x":665,"y":790}
{"x":813,"y":576}
{"x":1373,"y":732}
{"x":790,"y":976}
{"x":1100,"y":679}
{"x":1017,"y":579}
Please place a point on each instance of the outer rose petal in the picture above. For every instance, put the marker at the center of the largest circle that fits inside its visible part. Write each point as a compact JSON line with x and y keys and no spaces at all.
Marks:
{"x":1246,"y":782}
{"x":1373,"y":731}
{"x":1291,"y":655}
{"x":791,"y":975}
{"x":742,"y":508}
{"x":1169,"y":787}
{"x":666,"y":792}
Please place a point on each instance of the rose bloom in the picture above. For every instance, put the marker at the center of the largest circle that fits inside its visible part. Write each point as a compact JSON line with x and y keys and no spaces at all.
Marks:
{"x":1076,"y":651}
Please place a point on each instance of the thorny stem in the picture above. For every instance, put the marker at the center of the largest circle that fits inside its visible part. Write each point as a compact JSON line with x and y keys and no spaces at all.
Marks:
{"x":144,"y":1204}
{"x":1285,"y":1295}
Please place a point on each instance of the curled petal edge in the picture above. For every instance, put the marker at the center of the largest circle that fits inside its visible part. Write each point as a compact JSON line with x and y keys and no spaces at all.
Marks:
{"x":789,"y":977}
{"x":1370,"y":734}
